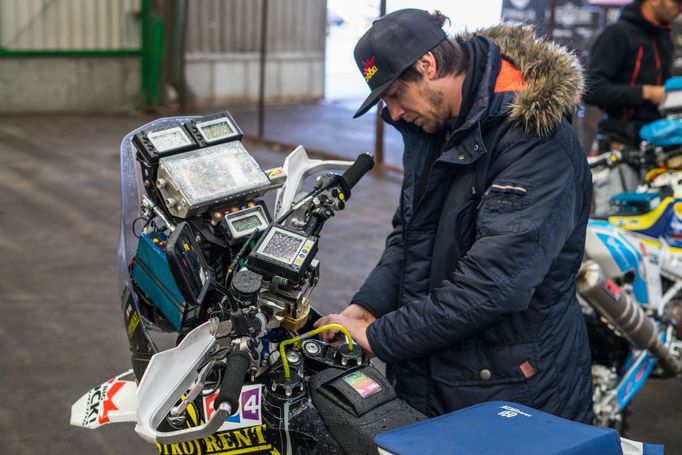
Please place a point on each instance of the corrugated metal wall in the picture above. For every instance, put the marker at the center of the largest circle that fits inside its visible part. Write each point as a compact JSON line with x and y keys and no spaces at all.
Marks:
{"x":226,"y":26}
{"x":69,"y":25}
{"x":223,"y":48}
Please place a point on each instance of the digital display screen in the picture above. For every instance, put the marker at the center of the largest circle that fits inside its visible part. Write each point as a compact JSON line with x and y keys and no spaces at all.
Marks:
{"x":216,"y":129}
{"x":247,"y":223}
{"x":170,"y":139}
{"x":282,"y":245}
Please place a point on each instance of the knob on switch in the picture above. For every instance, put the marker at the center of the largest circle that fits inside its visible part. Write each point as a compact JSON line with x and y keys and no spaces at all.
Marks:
{"x":348,"y":357}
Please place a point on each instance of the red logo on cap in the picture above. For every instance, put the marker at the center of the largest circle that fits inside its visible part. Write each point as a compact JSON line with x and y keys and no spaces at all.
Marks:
{"x":368,"y":68}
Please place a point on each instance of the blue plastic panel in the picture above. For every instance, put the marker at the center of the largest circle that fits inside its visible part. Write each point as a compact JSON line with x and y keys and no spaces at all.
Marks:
{"x":153,"y":276}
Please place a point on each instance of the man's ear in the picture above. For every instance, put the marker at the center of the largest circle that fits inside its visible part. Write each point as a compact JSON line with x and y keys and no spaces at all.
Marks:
{"x":427,"y":66}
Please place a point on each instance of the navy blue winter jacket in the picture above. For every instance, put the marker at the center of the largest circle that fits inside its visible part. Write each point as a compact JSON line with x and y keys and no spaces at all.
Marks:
{"x":475,"y":291}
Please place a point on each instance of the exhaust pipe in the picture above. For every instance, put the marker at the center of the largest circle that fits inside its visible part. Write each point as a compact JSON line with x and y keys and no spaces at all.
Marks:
{"x":624,"y":313}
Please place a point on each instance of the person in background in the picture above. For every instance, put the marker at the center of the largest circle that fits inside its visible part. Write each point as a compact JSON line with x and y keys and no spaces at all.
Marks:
{"x":629,"y":63}
{"x":474,"y":296}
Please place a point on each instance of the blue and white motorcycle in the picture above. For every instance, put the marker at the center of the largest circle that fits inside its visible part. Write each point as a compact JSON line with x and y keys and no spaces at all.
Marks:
{"x":630,"y":285}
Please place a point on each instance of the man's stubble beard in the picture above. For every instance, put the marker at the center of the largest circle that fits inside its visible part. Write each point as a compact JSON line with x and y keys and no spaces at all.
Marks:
{"x":434,"y":119}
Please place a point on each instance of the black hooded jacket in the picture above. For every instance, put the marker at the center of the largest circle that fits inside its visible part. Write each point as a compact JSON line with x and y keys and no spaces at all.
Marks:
{"x":475,"y":291}
{"x":628,"y":54}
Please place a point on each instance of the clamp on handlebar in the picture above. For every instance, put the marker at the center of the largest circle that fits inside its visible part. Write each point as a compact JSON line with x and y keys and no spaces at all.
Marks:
{"x":223,"y":411}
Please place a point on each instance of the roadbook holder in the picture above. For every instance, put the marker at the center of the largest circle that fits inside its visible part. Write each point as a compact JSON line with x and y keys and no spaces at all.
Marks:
{"x":358,"y":404}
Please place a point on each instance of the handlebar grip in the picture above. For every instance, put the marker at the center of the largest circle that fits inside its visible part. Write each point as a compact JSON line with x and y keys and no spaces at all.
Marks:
{"x":598,"y":163}
{"x":237,"y":365}
{"x":362,"y":165}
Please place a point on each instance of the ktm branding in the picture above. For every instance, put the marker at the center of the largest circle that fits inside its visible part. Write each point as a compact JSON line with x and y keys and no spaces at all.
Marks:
{"x":369,"y":69}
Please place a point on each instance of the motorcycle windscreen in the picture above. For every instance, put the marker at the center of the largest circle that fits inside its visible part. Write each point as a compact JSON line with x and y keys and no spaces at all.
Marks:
{"x":132,"y":191}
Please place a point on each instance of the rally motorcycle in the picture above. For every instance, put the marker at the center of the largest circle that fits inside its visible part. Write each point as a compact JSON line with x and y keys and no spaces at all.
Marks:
{"x":204,"y":263}
{"x":202,"y":258}
{"x":630,"y":282}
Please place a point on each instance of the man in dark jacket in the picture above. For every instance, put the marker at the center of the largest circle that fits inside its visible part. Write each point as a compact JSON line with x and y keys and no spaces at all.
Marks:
{"x":474,"y":297}
{"x":629,"y":63}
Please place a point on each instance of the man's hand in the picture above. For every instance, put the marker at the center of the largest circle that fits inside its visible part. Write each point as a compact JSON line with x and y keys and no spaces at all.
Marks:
{"x":653,"y":93}
{"x":355,"y":319}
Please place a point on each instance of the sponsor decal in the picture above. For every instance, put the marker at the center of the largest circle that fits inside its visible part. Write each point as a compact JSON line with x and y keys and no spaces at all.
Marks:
{"x":641,"y":371}
{"x":627,"y":257}
{"x":113,"y":401}
{"x":369,"y":69}
{"x":133,"y":322}
{"x":245,"y":440}
{"x":108,"y":404}
{"x":634,"y":381}
{"x":94,"y":401}
{"x":248,"y":414}
{"x":612,"y":289}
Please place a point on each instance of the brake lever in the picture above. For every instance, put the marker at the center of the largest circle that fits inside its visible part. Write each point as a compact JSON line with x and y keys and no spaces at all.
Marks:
{"x":196,"y":388}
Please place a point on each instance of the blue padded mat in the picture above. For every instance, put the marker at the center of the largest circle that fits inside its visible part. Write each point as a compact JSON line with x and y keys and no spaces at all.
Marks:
{"x":499,"y":427}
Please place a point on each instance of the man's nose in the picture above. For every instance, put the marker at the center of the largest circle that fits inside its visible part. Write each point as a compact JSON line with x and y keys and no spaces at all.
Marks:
{"x":394,"y":110}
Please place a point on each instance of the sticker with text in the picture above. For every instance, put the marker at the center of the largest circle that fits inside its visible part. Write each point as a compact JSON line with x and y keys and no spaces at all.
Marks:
{"x":249,"y":413}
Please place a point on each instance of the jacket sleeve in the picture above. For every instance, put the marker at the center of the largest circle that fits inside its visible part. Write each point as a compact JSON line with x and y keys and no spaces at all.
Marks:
{"x":379,"y":293}
{"x":524,"y":221}
{"x":607,"y":63}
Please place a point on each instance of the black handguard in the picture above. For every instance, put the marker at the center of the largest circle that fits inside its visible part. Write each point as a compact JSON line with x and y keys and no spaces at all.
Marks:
{"x":233,"y":379}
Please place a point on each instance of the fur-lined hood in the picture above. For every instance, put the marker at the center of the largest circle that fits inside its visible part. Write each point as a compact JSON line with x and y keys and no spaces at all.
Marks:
{"x":554,"y":76}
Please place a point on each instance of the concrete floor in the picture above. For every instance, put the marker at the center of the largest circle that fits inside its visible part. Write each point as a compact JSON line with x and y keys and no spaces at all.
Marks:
{"x":61,"y":327}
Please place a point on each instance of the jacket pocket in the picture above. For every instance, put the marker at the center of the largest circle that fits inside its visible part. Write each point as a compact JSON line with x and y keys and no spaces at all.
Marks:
{"x":502,"y":208}
{"x":483,"y":364}
{"x":507,"y":195}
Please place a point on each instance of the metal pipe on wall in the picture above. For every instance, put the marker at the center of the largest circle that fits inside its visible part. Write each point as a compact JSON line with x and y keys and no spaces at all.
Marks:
{"x":379,"y":133}
{"x":261,"y":87}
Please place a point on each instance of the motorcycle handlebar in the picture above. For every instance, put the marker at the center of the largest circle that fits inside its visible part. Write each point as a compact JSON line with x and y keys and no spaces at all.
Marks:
{"x":648,"y":155}
{"x":235,"y":370}
{"x":363,"y":164}
{"x":610,"y":158}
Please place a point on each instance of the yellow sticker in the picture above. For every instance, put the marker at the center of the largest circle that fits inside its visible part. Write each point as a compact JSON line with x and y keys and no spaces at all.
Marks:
{"x":249,"y":440}
{"x":132,"y":324}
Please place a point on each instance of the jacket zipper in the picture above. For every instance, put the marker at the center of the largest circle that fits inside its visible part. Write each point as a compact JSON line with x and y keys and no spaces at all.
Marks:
{"x":628,"y":112}
{"x":657,"y":57}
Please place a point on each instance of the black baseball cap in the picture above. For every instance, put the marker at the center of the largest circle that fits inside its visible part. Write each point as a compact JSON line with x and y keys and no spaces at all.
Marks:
{"x":390,"y":46}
